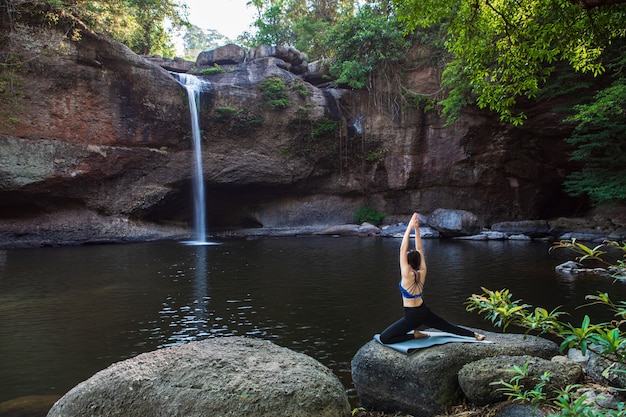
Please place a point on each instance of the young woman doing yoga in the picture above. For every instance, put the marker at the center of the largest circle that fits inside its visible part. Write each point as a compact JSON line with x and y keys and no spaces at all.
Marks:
{"x":416,"y":312}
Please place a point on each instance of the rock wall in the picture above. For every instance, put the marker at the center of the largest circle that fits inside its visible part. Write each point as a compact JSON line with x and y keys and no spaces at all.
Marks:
{"x":88,"y":126}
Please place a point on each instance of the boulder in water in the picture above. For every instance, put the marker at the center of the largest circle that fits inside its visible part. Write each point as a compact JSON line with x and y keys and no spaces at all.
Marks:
{"x":452,"y":223}
{"x":425,"y":383}
{"x":231,"y":376}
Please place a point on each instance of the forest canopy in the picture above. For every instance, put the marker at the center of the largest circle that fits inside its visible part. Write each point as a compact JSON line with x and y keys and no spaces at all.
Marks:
{"x":507,"y":49}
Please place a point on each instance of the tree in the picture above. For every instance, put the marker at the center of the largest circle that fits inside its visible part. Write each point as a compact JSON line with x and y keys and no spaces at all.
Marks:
{"x":197,"y":40}
{"x":366,"y":44}
{"x":150,"y":16}
{"x":303,"y":24}
{"x":504,"y":50}
{"x":600,"y":144}
{"x":272,"y":24}
{"x":139,"y":24}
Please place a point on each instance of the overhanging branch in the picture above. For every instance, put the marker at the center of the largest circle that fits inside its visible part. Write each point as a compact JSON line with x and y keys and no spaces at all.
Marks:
{"x":592,"y":4}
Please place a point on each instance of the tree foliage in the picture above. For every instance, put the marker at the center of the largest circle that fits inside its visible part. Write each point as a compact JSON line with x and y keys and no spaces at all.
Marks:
{"x":369,"y":42}
{"x":504,"y":50}
{"x":139,"y":24}
{"x":303,"y":24}
{"x":197,"y":40}
{"x":150,"y":16}
{"x":600,"y":144}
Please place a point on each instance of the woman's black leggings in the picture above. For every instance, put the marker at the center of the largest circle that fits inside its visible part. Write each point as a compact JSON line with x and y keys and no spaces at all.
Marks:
{"x":415,"y":317}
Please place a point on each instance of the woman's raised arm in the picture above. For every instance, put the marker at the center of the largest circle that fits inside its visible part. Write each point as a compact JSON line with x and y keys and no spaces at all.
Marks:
{"x":404,"y":247}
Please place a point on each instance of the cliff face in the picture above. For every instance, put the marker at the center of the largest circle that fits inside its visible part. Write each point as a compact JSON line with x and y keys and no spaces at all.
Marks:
{"x":95,"y":144}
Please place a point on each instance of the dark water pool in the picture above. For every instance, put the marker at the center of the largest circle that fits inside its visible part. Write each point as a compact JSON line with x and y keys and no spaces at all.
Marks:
{"x":66,"y":313}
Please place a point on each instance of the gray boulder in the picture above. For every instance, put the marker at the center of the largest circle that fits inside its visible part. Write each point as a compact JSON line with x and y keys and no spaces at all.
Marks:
{"x":520,"y":410}
{"x":176,"y":65}
{"x":425,"y":383}
{"x":365,"y":229}
{"x":452,"y":223}
{"x":532,"y":228}
{"x":575,"y":268}
{"x":224,"y":55}
{"x":585,"y":235}
{"x":231,"y":376}
{"x":478,"y":379}
{"x":605,"y":371}
{"x":397,"y":231}
{"x":295,"y":61}
{"x":318,"y":73}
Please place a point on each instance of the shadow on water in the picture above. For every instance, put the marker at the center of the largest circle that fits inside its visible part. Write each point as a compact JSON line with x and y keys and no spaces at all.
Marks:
{"x":70,"y":312}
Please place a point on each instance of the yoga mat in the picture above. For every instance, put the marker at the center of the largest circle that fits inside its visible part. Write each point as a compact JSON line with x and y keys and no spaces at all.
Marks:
{"x":436,"y":338}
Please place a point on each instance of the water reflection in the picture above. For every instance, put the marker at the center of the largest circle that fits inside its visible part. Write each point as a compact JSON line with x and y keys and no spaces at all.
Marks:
{"x":189,"y":322}
{"x":77,"y":310}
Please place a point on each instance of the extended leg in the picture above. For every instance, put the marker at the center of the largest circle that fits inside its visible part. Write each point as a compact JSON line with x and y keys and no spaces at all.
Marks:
{"x":433,"y":320}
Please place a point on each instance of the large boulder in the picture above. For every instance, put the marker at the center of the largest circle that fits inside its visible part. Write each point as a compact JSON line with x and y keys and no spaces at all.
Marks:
{"x":479,"y":379}
{"x":232,"y":376}
{"x":176,"y":64}
{"x":451,"y":223}
{"x":532,"y":228}
{"x":295,"y":61}
{"x":425,"y":383}
{"x":224,"y":55}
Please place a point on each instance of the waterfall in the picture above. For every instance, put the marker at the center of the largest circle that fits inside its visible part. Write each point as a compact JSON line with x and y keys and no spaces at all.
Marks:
{"x":194,"y":86}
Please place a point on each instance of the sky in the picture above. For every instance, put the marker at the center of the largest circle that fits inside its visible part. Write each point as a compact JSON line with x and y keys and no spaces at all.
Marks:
{"x":228,"y":17}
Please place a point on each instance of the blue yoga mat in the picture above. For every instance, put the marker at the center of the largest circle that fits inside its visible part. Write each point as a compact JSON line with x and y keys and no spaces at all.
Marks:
{"x":435,"y":338}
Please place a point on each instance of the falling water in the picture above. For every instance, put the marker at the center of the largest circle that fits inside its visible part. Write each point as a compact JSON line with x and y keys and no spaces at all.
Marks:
{"x":194,"y":86}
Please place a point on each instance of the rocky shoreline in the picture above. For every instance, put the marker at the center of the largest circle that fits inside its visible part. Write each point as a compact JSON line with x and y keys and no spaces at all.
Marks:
{"x":463,"y":225}
{"x":79,"y":227}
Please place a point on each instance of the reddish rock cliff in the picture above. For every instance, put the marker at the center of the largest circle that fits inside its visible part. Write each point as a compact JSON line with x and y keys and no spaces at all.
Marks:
{"x":95,"y":145}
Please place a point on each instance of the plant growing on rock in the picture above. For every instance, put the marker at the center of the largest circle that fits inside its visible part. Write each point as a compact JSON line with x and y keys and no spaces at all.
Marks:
{"x":239,"y":120}
{"x":516,"y":391}
{"x":214,"y":70}
{"x":326,"y":127}
{"x":10,"y":90}
{"x":569,"y":402}
{"x":317,"y":140}
{"x":300,"y":88}
{"x":274,"y":93}
{"x":605,"y":339}
{"x":366,"y":214}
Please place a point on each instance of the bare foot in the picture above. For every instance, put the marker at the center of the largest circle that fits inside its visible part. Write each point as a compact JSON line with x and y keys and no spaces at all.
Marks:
{"x":479,"y":336}
{"x":419,"y":335}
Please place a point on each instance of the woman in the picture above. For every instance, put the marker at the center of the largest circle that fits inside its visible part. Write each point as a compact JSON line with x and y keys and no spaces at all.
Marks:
{"x":416,"y":313}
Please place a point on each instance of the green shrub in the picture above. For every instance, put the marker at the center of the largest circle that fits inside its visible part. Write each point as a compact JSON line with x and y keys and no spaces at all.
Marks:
{"x":366,"y":214}
{"x":10,"y":90}
{"x":216,"y":69}
{"x":239,"y":120}
{"x":599,"y":143}
{"x":224,"y":113}
{"x":376,"y":155}
{"x":370,"y":42}
{"x":274,"y":93}
{"x":326,"y":127}
{"x":300,"y":88}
